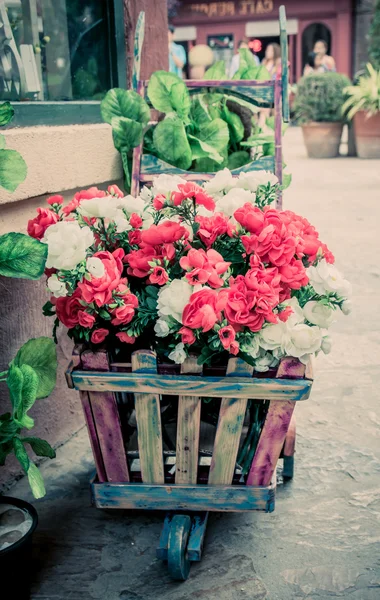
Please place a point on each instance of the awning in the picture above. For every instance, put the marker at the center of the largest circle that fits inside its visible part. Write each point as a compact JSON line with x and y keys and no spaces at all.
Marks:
{"x":269,"y":28}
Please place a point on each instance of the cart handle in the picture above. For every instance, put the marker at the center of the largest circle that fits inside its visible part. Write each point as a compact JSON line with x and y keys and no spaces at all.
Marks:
{"x":284,"y":65}
{"x":137,"y":49}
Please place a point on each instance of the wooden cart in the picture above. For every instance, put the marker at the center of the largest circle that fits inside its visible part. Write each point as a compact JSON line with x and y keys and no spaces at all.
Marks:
{"x":123,"y":403}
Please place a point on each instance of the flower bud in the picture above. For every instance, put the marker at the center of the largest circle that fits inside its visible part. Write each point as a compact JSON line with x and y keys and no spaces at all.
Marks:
{"x":326,"y":344}
{"x":346,"y":307}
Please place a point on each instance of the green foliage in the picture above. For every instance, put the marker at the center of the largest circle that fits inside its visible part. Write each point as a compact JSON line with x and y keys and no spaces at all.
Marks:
{"x":22,"y":256}
{"x":171,"y":142}
{"x":374,"y":38}
{"x":6,"y":113}
{"x":365,"y":95}
{"x":217,"y":72}
{"x":168,"y":93}
{"x":248,"y":69}
{"x":320,"y":97}
{"x":31,"y":375}
{"x":13,"y":168}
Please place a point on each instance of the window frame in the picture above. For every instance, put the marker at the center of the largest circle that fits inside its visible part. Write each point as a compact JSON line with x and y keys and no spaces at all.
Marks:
{"x":79,"y":112}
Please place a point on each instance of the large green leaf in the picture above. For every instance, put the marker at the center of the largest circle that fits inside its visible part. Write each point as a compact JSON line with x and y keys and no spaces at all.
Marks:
{"x":200,"y":149}
{"x":215,"y":134}
{"x":168,"y":93}
{"x":286,"y":180}
{"x":124,"y":103}
{"x":6,"y":113}
{"x":2,"y":142}
{"x":21,"y":454}
{"x":13,"y":169}
{"x":40,"y":447}
{"x":36,"y":482}
{"x":235,"y":125}
{"x":249,"y":70}
{"x":29,"y":388}
{"x":199,"y":112}
{"x":22,"y":256}
{"x":15,"y":382}
{"x":171,"y":142}
{"x":238,"y":159}
{"x":216,"y":72}
{"x":40,"y":354}
{"x":8,"y":428}
{"x":127,"y":134}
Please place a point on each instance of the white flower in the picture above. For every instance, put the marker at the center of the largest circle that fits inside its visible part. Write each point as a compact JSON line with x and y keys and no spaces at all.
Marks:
{"x":163,"y":184}
{"x":326,"y":344}
{"x":319,"y":314}
{"x":95,"y":266}
{"x":173,"y":297}
{"x":233,"y":200}
{"x":67,"y":244}
{"x":104,"y":208}
{"x":56,"y":287}
{"x":251,"y":181}
{"x":161,"y":328}
{"x":297,"y":315}
{"x":346,"y":307}
{"x":265,"y":361}
{"x":221,"y":182}
{"x":131,"y":204}
{"x":274,"y":337}
{"x":178,"y":354}
{"x":303,"y":340}
{"x":251,"y":347}
{"x":147,"y":220}
{"x":203,"y":212}
{"x":146,"y":194}
{"x":326,"y":278}
{"x":121,"y":222}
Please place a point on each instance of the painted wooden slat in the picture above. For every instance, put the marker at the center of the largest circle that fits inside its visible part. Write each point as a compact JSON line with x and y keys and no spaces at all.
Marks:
{"x":290,"y":440}
{"x":274,"y":431}
{"x":197,"y":536}
{"x":93,"y":435}
{"x":142,"y":496}
{"x":148,"y":417}
{"x":162,"y":548}
{"x":277,"y":139}
{"x":284,"y":65}
{"x":228,"y":432}
{"x":106,"y":421}
{"x":137,"y":153}
{"x":188,"y":429}
{"x":213,"y":387}
{"x":137,"y":48}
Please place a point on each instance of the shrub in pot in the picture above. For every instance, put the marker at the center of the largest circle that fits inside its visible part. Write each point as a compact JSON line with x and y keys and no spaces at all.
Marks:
{"x":318,"y":109}
{"x":363,"y":106}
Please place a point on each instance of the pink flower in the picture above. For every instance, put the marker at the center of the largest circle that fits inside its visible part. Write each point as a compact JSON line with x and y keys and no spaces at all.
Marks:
{"x":195,"y":191}
{"x":114,"y":190}
{"x":57,"y":199}
{"x":250,"y":217}
{"x":227,"y":336}
{"x":99,"y":289}
{"x":234,"y":348}
{"x":124,"y":337}
{"x":85,"y":319}
{"x":187,"y":335}
{"x":122,"y":315}
{"x":167,"y":232}
{"x":204,"y":267}
{"x":136,"y":221}
{"x":213,"y":227}
{"x":38,"y":225}
{"x":68,"y":308}
{"x":159,"y":276}
{"x":92,"y":192}
{"x":134,"y":237}
{"x":201,"y":311}
{"x":139,"y":260}
{"x":285,"y":314}
{"x":159,"y":201}
{"x":294,"y":274}
{"x":99,"y":335}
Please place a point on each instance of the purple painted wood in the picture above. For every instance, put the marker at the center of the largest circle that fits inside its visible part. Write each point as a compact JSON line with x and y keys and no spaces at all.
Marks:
{"x":137,"y":153}
{"x":106,"y":421}
{"x":277,"y":137}
{"x":275,"y":428}
{"x":290,"y":440}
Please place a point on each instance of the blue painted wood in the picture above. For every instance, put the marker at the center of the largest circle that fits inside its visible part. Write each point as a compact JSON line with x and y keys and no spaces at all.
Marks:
{"x":137,"y":49}
{"x":197,"y":536}
{"x":151,"y":166}
{"x":187,"y":385}
{"x":162,"y":548}
{"x":288,"y":470}
{"x":178,"y":562}
{"x":284,"y":65}
{"x":140,"y":496}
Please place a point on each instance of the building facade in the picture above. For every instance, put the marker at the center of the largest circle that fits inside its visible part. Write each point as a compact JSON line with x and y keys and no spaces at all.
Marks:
{"x":221,"y":24}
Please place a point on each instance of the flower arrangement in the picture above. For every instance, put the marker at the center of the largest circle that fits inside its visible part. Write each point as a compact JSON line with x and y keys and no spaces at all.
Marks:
{"x":211,"y":270}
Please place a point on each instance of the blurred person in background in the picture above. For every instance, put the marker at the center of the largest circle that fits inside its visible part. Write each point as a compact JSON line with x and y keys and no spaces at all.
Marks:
{"x":200,"y":57}
{"x":272,"y":62}
{"x":326,"y":62}
{"x":314,"y":64}
{"x":177,"y":54}
{"x":235,"y":62}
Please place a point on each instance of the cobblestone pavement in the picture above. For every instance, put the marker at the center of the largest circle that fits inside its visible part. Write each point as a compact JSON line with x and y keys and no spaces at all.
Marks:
{"x":323,"y":540}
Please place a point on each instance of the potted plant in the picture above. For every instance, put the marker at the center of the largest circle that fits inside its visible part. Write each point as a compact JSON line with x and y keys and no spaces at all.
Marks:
{"x":363,"y":106}
{"x":318,"y":109}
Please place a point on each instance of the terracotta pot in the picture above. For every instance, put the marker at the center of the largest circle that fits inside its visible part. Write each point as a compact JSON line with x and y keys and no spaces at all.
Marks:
{"x":367,"y":134}
{"x":322,"y":140}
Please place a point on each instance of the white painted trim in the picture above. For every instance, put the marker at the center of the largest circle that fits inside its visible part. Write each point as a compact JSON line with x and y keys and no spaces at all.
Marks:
{"x":269,"y":28}
{"x":185,"y":34}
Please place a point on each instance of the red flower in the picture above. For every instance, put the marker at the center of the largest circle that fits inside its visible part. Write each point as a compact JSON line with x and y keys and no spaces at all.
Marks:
{"x":234,"y":348}
{"x":57,"y":199}
{"x":92,"y":192}
{"x":114,"y":190}
{"x":136,"y":221}
{"x":195,"y":191}
{"x":99,"y":335}
{"x":187,"y":335}
{"x":201,"y":311}
{"x":250,"y":217}
{"x":68,"y":308}
{"x":213,"y":227}
{"x":165,"y":233}
{"x":205,"y":267}
{"x":134,"y":237}
{"x":124,"y":337}
{"x":294,"y":274}
{"x":99,"y":289}
{"x":159,"y":276}
{"x":38,"y":225}
{"x":124,"y":314}
{"x":85,"y":319}
{"x":285,"y":314}
{"x":139,"y":260}
{"x":227,"y":336}
{"x":159,"y":201}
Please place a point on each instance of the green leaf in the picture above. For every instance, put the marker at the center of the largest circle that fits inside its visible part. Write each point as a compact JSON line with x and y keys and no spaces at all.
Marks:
{"x":29,"y":388}
{"x":15,"y":381}
{"x":13,"y":169}
{"x":171,"y":142}
{"x":168,"y":93}
{"x":6,"y":113}
{"x":238,"y":159}
{"x":40,"y":447}
{"x":40,"y":354}
{"x":47,"y":309}
{"x":22,"y":256}
{"x":207,"y":165}
{"x":127,"y":134}
{"x":199,"y":111}
{"x":124,"y":103}
{"x":26,"y":421}
{"x":214,"y":134}
{"x":5,"y":449}
{"x":3,"y":142}
{"x":286,"y":180}
{"x":8,"y":429}
{"x":235,"y":125}
{"x":217,"y":71}
{"x":21,"y":454}
{"x":36,"y":482}
{"x":200,"y":149}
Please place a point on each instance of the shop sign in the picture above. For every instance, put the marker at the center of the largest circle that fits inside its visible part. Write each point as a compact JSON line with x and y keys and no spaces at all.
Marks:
{"x":231,"y":9}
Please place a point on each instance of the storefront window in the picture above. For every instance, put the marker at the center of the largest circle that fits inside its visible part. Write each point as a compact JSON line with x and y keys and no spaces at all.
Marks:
{"x":58,"y":50}
{"x":313,"y":33}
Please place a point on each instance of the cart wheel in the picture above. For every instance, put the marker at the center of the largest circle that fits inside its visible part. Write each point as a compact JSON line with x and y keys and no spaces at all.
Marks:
{"x":288,"y":470}
{"x":178,"y":563}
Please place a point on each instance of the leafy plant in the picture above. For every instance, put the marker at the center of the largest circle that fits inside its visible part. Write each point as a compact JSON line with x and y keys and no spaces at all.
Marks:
{"x":365,"y":95}
{"x":320,"y":97}
{"x":374,"y":38}
{"x":12,"y":166}
{"x":29,"y":377}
